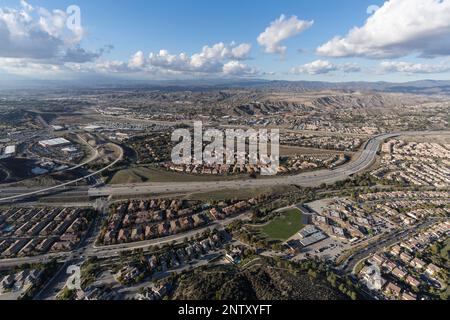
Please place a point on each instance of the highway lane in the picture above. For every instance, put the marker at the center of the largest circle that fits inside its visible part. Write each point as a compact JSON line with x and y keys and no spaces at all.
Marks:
{"x":309,"y":179}
{"x":305,"y":179}
{"x":81,"y":190}
{"x":365,"y":160}
{"x":68,"y":196}
{"x":60,"y":186}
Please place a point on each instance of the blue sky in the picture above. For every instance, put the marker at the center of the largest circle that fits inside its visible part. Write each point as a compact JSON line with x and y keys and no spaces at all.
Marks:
{"x":394,"y":53}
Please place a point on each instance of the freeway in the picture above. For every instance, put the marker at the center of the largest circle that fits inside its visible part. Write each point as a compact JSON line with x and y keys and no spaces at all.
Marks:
{"x":315,"y":178}
{"x":308,"y":179}
{"x":60,"y":186}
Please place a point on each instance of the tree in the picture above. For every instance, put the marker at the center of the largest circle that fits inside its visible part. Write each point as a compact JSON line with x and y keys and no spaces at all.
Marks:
{"x":312,"y":274}
{"x":332,"y":279}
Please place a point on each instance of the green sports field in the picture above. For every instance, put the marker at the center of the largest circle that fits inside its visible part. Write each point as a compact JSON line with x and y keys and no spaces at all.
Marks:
{"x":284,"y":227}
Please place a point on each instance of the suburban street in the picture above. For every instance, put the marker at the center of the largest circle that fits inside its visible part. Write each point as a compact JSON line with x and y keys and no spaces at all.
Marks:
{"x":89,"y":249}
{"x":307,"y":179}
{"x":387,"y":241}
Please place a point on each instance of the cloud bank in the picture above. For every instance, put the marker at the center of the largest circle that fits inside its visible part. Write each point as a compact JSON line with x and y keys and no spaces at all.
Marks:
{"x":399,"y":28}
{"x":324,"y":67}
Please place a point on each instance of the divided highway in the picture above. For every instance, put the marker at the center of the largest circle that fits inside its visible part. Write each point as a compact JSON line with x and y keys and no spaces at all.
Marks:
{"x":41,"y":191}
{"x":365,"y":160}
{"x":308,"y":179}
{"x":305,"y":179}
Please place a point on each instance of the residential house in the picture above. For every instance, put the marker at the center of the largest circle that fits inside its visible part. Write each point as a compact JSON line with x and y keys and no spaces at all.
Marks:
{"x":413,"y":282}
{"x":399,"y":273}
{"x":392,"y":289}
{"x":432,"y":269}
{"x":418,"y":263}
{"x":408,"y":296}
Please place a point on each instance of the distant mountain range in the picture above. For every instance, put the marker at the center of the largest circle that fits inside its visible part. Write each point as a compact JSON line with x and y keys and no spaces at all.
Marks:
{"x":417,"y":87}
{"x":427,"y":87}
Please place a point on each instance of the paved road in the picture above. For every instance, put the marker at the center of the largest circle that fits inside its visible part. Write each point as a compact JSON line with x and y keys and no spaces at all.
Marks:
{"x":305,"y":179}
{"x":88,"y":248}
{"x":40,"y":191}
{"x":387,"y":241}
{"x":308,"y":179}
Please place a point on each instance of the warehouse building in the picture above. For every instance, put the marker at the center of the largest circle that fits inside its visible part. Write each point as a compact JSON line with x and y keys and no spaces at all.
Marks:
{"x":10,"y":150}
{"x":58,"y":142}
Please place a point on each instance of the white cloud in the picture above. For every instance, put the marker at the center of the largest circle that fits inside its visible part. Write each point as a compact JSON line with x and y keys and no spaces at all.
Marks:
{"x":241,"y":52}
{"x":137,"y":60}
{"x":40,"y":34}
{"x":36,"y":41}
{"x":77,"y":54}
{"x":54,"y":24}
{"x":209,"y":60}
{"x":409,"y":67}
{"x":222,"y":51}
{"x":129,"y":68}
{"x":280,"y":30}
{"x":219,"y":59}
{"x":236,"y":68}
{"x":315,"y":67}
{"x":137,"y":63}
{"x":349,"y":67}
{"x":25,"y":67}
{"x":165,"y":60}
{"x":324,"y":66}
{"x":212,"y":58}
{"x":399,"y":28}
{"x":26,"y":6}
{"x":113,"y":66}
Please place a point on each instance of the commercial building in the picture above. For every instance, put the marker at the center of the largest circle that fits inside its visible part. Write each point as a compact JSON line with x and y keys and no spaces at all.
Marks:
{"x":312,"y":239}
{"x":10,"y":150}
{"x":57,"y":128}
{"x":54,"y":142}
{"x":307,"y":231}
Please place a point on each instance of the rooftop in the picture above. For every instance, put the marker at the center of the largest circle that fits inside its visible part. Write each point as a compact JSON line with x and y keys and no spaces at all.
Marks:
{"x":54,"y":142}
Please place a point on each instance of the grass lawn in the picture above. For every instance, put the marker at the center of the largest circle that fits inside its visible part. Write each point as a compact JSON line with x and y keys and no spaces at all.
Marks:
{"x":284,"y":227}
{"x":141,"y":174}
{"x":127,"y":176}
